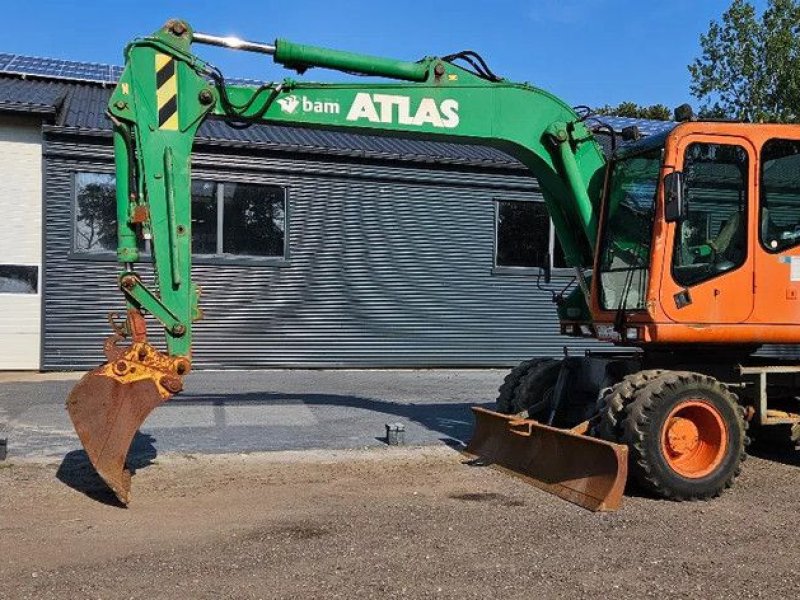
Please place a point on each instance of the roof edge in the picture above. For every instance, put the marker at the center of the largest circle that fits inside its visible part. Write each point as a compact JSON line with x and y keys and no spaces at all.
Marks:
{"x":300,"y":149}
{"x":24,"y":109}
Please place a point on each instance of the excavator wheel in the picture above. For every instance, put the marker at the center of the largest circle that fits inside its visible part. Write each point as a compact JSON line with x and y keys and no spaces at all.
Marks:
{"x":612,"y":405}
{"x":505,"y":396}
{"x":534,"y":393}
{"x":686,"y":436}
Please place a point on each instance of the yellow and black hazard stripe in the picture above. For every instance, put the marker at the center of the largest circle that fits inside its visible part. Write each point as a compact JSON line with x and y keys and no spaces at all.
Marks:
{"x":166,"y":92}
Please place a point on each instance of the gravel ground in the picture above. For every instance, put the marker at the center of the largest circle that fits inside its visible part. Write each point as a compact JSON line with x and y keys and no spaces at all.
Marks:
{"x":382,"y":523}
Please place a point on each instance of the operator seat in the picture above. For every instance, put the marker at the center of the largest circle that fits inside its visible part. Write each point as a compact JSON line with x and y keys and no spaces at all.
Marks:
{"x":729,"y":243}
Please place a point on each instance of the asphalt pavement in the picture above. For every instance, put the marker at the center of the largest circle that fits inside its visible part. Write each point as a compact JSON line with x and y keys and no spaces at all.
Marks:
{"x":250,"y":411}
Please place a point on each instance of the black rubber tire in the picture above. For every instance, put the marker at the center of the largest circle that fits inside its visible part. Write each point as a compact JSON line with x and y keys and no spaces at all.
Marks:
{"x":534,"y":386}
{"x":505,"y":396}
{"x":643,"y":424}
{"x":614,"y":402}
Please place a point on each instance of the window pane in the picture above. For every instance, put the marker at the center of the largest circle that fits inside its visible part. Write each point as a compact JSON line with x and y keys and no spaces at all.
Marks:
{"x":627,"y":232}
{"x":713,"y":239}
{"x":523,"y":230}
{"x":19,"y":279}
{"x":95,"y":213}
{"x":780,"y":194}
{"x":204,"y":217}
{"x":254,"y":220}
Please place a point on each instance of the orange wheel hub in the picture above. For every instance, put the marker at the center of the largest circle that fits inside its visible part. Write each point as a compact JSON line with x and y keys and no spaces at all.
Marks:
{"x":694,"y":439}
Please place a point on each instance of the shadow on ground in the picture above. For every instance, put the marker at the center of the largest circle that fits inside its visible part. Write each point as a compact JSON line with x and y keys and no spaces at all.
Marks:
{"x":785,"y":454}
{"x":451,"y":419}
{"x":77,"y":472}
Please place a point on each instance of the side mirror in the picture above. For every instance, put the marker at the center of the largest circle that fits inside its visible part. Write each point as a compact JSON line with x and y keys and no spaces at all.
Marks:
{"x":675,"y":207}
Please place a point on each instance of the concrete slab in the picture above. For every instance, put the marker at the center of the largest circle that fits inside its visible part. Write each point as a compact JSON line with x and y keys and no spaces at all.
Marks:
{"x":249,"y":411}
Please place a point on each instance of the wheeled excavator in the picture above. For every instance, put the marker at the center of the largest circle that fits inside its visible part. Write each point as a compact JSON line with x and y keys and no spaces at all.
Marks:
{"x":685,"y":247}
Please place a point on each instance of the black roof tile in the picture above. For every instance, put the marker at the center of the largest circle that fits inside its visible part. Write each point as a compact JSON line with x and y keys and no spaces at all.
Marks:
{"x":18,"y":95}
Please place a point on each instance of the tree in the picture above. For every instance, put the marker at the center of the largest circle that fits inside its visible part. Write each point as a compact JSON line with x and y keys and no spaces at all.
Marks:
{"x":254,"y":220}
{"x":97,"y":213}
{"x":657,"y":112}
{"x":749,"y":69}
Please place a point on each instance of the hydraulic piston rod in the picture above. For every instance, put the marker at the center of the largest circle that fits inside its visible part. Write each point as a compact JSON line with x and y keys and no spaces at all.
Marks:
{"x":302,"y":57}
{"x":233,"y":43}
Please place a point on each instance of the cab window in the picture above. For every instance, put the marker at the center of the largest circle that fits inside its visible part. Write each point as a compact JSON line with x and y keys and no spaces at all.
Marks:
{"x":712,"y":239}
{"x":780,"y":195}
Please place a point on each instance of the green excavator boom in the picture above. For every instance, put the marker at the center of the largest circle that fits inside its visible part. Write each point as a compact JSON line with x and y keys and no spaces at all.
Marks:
{"x":166,"y":92}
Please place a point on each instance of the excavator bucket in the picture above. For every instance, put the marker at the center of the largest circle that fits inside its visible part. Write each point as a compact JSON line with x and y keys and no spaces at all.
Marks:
{"x":584,"y":470}
{"x":106,"y":414}
{"x":110,"y":403}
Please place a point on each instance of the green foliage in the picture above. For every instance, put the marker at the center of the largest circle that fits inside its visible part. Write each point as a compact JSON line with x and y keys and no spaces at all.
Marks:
{"x":96,"y":221}
{"x":657,"y":112}
{"x":254,"y":220}
{"x":749,"y":69}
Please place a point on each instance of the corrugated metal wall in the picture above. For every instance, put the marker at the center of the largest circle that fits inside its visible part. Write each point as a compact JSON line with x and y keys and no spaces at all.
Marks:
{"x":390,"y":266}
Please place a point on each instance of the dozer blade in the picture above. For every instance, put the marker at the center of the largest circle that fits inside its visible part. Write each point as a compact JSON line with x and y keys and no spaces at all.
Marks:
{"x":110,"y":403}
{"x":581,"y":469}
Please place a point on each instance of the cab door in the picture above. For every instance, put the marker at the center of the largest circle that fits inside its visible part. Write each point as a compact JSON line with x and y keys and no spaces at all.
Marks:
{"x":777,"y":249}
{"x":707,"y":274}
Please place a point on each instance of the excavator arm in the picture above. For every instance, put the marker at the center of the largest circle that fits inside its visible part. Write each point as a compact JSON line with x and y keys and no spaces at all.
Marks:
{"x":166,"y":92}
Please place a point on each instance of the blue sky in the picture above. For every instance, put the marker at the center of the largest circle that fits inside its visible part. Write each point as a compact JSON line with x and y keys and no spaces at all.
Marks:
{"x":586,"y":51}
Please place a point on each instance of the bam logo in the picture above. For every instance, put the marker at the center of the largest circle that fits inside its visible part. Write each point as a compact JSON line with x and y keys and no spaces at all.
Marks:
{"x":291,"y":103}
{"x":385,"y":108}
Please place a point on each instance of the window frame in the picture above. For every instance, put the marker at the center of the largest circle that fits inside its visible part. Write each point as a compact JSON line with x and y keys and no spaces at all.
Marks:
{"x":217,"y":207}
{"x":35,"y":293}
{"x":233,"y":259}
{"x":762,"y":195}
{"x":745,"y":213}
{"x":526,"y":271}
{"x":74,"y":252}
{"x":217,"y":258}
{"x":603,"y":229}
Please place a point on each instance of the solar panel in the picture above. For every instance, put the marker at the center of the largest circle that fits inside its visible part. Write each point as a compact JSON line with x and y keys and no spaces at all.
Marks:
{"x":4,"y":59}
{"x":243,"y":82}
{"x":646,"y":126}
{"x":58,"y":68}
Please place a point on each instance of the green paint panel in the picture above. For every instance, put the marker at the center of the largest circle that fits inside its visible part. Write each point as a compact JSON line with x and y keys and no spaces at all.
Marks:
{"x":301,"y":57}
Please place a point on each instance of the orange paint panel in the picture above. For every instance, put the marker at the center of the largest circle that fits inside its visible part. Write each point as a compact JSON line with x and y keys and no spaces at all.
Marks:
{"x":726,"y":297}
{"x":756,"y":303}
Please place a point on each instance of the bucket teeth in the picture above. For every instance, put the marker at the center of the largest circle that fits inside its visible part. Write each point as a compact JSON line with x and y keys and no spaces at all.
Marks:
{"x":584,"y":470}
